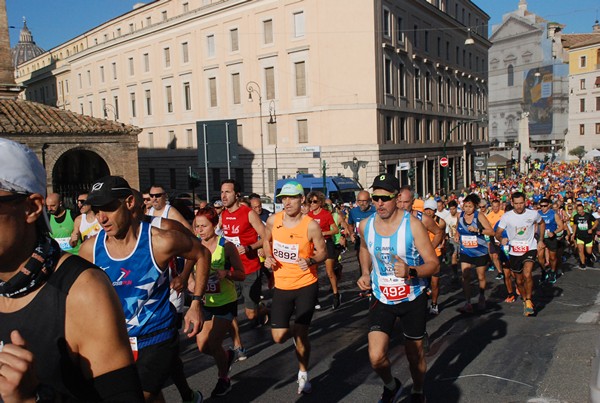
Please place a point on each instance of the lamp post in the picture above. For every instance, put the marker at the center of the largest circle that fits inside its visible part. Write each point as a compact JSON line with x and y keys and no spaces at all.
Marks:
{"x":109,"y":107}
{"x":253,"y":87}
{"x":273,"y":121}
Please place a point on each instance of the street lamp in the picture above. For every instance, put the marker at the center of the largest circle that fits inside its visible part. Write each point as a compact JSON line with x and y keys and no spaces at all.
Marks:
{"x":109,"y":107}
{"x":253,"y":87}
{"x":273,"y":121}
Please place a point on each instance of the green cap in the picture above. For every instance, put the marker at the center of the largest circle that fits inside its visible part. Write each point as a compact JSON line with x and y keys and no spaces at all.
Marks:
{"x":292,"y":188}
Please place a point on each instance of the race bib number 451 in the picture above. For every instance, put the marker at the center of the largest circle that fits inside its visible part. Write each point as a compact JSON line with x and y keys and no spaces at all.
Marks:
{"x":285,"y":252}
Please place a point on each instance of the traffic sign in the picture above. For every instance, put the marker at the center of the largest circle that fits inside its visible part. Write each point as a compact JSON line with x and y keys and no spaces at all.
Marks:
{"x":444,"y":162}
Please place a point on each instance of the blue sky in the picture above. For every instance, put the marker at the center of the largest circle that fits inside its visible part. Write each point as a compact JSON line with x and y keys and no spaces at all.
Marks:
{"x":53,"y":22}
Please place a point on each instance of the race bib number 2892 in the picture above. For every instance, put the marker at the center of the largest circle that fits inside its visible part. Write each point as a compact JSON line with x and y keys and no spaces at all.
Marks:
{"x":285,"y":252}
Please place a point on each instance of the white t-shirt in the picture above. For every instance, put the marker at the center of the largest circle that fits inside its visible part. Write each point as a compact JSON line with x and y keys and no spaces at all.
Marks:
{"x":520,"y":229}
{"x":451,"y":223}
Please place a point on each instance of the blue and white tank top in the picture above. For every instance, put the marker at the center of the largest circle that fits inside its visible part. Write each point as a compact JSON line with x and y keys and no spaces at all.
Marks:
{"x":388,"y":288}
{"x":142,"y":287}
{"x":549,"y":218}
{"x":471,"y":244}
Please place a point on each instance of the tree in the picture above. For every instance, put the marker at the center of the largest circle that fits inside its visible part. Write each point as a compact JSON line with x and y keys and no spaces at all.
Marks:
{"x":578,"y":152}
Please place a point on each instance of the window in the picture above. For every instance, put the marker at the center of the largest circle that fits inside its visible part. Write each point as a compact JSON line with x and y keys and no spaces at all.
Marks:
{"x":210,"y":45}
{"x":582,"y":61}
{"x":440,"y":89}
{"x":387,"y":76}
{"x":417,"y":84}
{"x":101,"y":74}
{"x":389,"y":128}
{"x":91,"y":108}
{"x":272,"y":133}
{"x":146,"y":62}
{"x":186,"y":7}
{"x":510,"y":71}
{"x":148,"y":21}
{"x":151,"y":145}
{"x":300,"y":72}
{"x":212,"y":86}
{"x":299,"y":24}
{"x":169,"y":98}
{"x":426,"y":40}
{"x":189,"y":134}
{"x":582,"y":129}
{"x":131,"y":67}
{"x":172,"y":144}
{"x":402,"y":129}
{"x":89,"y":77}
{"x":428,"y":87}
{"x":267,"y":32}
{"x":386,"y":23}
{"x":148,"y":96}
{"x":131,"y":28}
{"x":116,"y":106}
{"x":270,"y":82}
{"x":167,"y":57}
{"x":428,"y":134}
{"x":582,"y":105}
{"x":597,"y":128}
{"x":302,"y":126}
{"x":103,"y":106}
{"x":234,"y":39}
{"x":185,"y":53}
{"x":132,"y":103}
{"x":415,"y":36}
{"x":439,"y":47}
{"x":598,"y":103}
{"x":418,"y":130}
{"x":164,"y":16}
{"x":401,"y":80}
{"x":597,"y":82}
{"x":118,"y":32}
{"x":187,"y":96}
{"x":399,"y":31}
{"x":114,"y":70}
{"x":235,"y":86}
{"x":582,"y":84}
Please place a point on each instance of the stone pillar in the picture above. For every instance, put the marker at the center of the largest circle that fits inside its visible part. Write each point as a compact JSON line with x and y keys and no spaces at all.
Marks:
{"x":8,"y":88}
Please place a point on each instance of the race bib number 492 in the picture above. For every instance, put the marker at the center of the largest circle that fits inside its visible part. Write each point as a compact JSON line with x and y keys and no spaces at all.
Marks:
{"x":395,"y":292}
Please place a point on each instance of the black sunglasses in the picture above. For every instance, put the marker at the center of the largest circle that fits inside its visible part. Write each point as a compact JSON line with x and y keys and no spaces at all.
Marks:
{"x":544,"y":205}
{"x":314,"y":201}
{"x":156,"y":195}
{"x":384,"y":198}
{"x":81,"y":201}
{"x":13,"y":197}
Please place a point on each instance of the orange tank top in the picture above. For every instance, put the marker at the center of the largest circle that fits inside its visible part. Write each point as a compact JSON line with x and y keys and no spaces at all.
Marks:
{"x":289,"y":245}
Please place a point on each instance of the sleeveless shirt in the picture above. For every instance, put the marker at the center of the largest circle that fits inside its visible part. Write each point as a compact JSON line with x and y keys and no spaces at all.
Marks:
{"x":88,"y":229}
{"x":238,"y":230}
{"x":471,"y":244}
{"x":289,"y":245}
{"x":219,"y":292}
{"x":61,"y":232}
{"x":388,"y":288}
{"x":142,"y":287}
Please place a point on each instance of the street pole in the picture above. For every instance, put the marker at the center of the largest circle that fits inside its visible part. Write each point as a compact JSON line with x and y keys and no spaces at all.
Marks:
{"x":251,"y":87}
{"x":445,"y":154}
{"x":325,"y":177}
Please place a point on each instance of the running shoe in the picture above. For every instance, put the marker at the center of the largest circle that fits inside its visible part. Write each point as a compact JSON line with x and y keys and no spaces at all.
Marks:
{"x":552,"y":277}
{"x":222,"y":388}
{"x":582,"y":266}
{"x":481,"y":302}
{"x":528,"y":308}
{"x":317,"y":307}
{"x":390,"y":396}
{"x":510,"y":299}
{"x":544,"y":276}
{"x":240,"y":354}
{"x":304,"y":385}
{"x":491,"y":268}
{"x":196,"y":397}
{"x":417,"y":398}
{"x":500,"y":276}
{"x":434,"y":310}
{"x":337,"y":300}
{"x":466,"y":308}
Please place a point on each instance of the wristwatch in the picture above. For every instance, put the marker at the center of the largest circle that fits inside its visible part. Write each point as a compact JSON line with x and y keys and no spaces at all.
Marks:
{"x":311,"y":261}
{"x":412,"y":273}
{"x":198,"y":298}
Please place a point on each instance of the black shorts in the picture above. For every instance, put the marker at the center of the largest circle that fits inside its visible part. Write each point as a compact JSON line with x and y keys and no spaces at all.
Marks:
{"x":284,"y":303}
{"x":551,"y":244}
{"x":412,"y":316}
{"x":516,"y":262}
{"x":155,"y":363}
{"x":250,"y":288}
{"x":494,"y":248}
{"x":356,"y":243}
{"x":227,"y":311}
{"x":332,"y":251}
{"x":479,"y":261}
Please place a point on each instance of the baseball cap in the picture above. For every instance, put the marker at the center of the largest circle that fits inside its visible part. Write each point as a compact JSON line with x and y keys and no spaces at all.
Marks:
{"x":386,"y":182}
{"x":430,"y":204}
{"x":108,"y":189}
{"x":291,"y":188}
{"x":218,"y":203}
{"x":20,"y":169}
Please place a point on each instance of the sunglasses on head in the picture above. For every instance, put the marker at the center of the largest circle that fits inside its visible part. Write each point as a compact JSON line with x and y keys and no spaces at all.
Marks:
{"x":384,"y":198}
{"x":156,"y":195}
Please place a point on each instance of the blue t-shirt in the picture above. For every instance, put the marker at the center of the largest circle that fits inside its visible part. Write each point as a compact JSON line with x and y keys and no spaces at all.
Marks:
{"x":356,"y":215}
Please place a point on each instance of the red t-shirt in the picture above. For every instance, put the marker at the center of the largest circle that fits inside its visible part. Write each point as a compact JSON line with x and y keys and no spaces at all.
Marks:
{"x":238,"y":230}
{"x":324,"y":219}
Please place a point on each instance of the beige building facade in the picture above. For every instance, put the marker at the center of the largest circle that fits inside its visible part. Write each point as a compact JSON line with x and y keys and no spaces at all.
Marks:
{"x":386,"y":82}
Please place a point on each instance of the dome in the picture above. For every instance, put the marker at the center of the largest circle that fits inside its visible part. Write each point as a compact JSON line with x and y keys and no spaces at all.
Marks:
{"x":25,"y":49}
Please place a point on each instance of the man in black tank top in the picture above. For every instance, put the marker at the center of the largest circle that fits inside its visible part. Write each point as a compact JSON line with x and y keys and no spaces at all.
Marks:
{"x":55,"y":308}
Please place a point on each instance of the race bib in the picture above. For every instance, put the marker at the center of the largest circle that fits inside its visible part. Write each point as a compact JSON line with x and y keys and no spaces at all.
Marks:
{"x":234,"y":240}
{"x":520,"y":246}
{"x":395,"y":292}
{"x":582,"y":226}
{"x":64,"y":243}
{"x":285,"y":252}
{"x":469,"y":241}
{"x":134,"y":347}
{"x":213,"y":285}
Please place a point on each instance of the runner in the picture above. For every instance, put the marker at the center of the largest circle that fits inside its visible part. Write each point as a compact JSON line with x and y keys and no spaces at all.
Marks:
{"x":62,"y":224}
{"x":47,"y":297}
{"x":363,"y":210}
{"x":429,"y":209}
{"x":85,"y":225}
{"x":471,"y":229}
{"x":294,"y":246}
{"x":554,"y":226}
{"x":520,"y":228}
{"x":395,"y":259}
{"x":162,"y":208}
{"x":453,"y":245}
{"x":329,"y":228}
{"x":221,"y":297}
{"x":135,"y":257}
{"x":584,"y":228}
{"x":495,"y":252}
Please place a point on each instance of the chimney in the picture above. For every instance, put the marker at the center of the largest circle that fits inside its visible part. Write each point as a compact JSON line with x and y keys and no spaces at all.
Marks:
{"x":596,"y":27}
{"x":8,"y":86}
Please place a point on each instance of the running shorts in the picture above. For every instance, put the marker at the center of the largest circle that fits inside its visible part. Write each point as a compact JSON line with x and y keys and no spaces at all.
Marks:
{"x":412,"y":316}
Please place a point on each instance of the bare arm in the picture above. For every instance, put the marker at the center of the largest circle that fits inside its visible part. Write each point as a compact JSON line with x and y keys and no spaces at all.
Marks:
{"x":270,"y":261}
{"x":316,"y":237}
{"x":431,"y":264}
{"x":76,"y":234}
{"x":438,"y":233}
{"x":176,"y":215}
{"x":364,"y":258}
{"x":86,"y":250}
{"x":259,"y":227}
{"x":233,"y":256}
{"x":487,"y":227}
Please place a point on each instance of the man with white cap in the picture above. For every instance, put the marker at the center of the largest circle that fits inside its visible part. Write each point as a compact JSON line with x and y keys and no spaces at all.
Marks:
{"x":135,"y":257}
{"x":55,"y":308}
{"x":294,"y":246}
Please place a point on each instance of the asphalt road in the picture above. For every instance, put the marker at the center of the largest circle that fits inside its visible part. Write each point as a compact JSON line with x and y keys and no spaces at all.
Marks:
{"x":492,"y":356}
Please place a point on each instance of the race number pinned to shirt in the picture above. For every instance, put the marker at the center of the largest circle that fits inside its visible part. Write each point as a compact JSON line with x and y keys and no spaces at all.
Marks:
{"x":394,"y":288}
{"x":234,"y":240}
{"x":134,"y":347}
{"x":213,"y":285}
{"x":65,"y":245}
{"x":520,"y":246}
{"x":469,"y":241}
{"x":286,"y":252}
{"x":582,"y":226}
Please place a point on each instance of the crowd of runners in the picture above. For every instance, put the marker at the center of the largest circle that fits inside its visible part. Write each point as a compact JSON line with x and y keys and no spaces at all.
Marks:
{"x":170,"y":272}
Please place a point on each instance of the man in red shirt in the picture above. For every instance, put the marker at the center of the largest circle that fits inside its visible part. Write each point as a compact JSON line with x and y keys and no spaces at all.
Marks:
{"x":328,"y":226}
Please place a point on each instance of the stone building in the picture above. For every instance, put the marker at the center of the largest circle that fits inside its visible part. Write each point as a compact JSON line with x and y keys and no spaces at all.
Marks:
{"x":388,"y":82}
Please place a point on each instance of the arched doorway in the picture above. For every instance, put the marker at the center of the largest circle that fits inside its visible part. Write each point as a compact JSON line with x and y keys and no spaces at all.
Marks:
{"x":75,"y":171}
